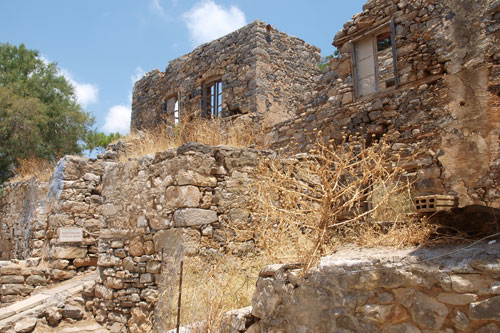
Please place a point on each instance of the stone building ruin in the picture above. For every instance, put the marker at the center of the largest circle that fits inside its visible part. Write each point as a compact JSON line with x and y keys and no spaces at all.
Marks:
{"x":255,"y":71}
{"x":423,"y":73}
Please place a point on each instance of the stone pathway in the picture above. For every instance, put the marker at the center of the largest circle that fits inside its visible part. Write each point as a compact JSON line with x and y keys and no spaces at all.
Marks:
{"x":34,"y":305}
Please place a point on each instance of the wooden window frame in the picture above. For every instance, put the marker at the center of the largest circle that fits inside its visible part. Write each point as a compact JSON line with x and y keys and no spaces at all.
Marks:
{"x":212,"y":99}
{"x":373,"y":34}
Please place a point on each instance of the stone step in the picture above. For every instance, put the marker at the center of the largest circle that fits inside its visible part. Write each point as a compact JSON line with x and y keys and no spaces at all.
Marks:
{"x":37,"y":303}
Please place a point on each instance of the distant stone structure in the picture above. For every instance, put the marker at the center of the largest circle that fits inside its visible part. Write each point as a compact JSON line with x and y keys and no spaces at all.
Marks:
{"x":255,"y":70}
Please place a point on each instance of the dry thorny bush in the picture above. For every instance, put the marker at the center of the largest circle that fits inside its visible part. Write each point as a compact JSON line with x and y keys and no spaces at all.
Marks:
{"x":308,"y":204}
{"x":303,"y":206}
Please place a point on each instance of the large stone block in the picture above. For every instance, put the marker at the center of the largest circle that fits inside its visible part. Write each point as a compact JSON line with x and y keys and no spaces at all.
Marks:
{"x":427,"y":312}
{"x":182,"y":197}
{"x":16,"y":289}
{"x":177,"y":241}
{"x":489,"y":309}
{"x":67,"y":252}
{"x":194,"y":216}
{"x":189,"y":177}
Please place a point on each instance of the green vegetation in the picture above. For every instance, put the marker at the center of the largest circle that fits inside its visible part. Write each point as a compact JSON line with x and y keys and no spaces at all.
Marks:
{"x":95,"y":140}
{"x":39,"y":115}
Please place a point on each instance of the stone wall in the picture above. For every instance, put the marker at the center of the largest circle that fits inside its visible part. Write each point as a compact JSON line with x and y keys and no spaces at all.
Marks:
{"x":74,"y":201}
{"x":32,"y":214}
{"x":444,"y":109}
{"x":22,"y":219}
{"x":384,"y":290}
{"x":263,"y":71}
{"x":154,"y":207}
{"x":20,"y":279}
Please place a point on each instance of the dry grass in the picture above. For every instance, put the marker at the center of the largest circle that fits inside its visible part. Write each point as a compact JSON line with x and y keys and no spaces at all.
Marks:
{"x":303,"y":206}
{"x":33,"y":167}
{"x":211,"y":287}
{"x":211,"y":132}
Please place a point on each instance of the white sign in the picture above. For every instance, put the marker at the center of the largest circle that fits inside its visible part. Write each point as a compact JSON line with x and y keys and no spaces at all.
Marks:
{"x":70,"y":234}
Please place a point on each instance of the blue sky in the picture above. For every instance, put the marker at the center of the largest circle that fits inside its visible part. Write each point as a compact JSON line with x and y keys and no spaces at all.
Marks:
{"x":103,"y":46}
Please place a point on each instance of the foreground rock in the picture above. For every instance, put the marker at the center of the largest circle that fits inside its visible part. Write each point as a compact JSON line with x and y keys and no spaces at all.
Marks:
{"x":377,"y":290}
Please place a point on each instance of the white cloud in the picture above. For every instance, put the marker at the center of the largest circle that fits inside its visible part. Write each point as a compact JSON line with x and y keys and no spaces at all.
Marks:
{"x":117,"y":119}
{"x":86,"y":93}
{"x":207,"y":21}
{"x":139,"y":73}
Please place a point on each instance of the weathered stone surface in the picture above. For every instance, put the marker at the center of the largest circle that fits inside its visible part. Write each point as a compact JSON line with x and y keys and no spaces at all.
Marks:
{"x":194,"y":216}
{"x":456,"y":299}
{"x":73,"y":312}
{"x":177,"y":241}
{"x":489,"y":309}
{"x":16,"y":289}
{"x":103,"y":292}
{"x":26,"y":325}
{"x":139,"y":321}
{"x":136,"y":248}
{"x":58,"y":274}
{"x":36,"y":280}
{"x":427,"y":312}
{"x":67,"y":252}
{"x":182,"y":197}
{"x":108,"y":261}
{"x":460,"y":320}
{"x":189,"y":177}
{"x":12,"y":279}
{"x":53,"y":315}
{"x":85,"y":262}
{"x":490,"y":328}
{"x":402,"y":328}
{"x":375,"y":312}
{"x":466,"y":283}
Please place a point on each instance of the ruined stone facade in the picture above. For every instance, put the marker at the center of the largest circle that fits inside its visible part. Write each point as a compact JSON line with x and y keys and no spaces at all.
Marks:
{"x":436,"y":99}
{"x":424,"y":74}
{"x":262,"y":72}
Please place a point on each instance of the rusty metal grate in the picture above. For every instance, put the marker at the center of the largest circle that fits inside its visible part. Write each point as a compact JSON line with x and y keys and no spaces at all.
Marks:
{"x":435,"y":203}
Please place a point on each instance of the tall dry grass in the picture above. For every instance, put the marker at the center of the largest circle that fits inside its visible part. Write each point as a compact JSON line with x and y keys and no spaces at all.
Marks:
{"x":212,"y":132}
{"x":30,"y":167}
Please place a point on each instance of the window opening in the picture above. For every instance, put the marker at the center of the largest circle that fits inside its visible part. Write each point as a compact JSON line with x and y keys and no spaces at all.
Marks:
{"x":212,"y":99}
{"x":374,"y":62}
{"x":176,"y":113}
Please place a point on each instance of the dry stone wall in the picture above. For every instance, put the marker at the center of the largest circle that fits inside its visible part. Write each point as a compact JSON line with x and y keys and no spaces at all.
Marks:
{"x":263,"y":72}
{"x":178,"y":202}
{"x":32,"y":215}
{"x":20,"y":279}
{"x":444,"y":110}
{"x":383,"y":290}
{"x":22,"y":219}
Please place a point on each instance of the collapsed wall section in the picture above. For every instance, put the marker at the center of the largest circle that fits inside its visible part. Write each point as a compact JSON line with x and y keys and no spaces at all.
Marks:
{"x":383,"y":290}
{"x":436,"y":99}
{"x":261,"y":71}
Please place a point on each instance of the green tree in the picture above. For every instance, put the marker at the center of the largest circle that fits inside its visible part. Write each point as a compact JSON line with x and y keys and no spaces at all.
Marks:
{"x":39,"y":115}
{"x":95,"y":140}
